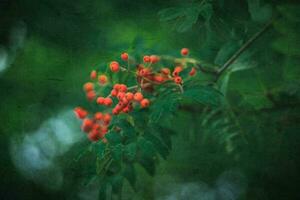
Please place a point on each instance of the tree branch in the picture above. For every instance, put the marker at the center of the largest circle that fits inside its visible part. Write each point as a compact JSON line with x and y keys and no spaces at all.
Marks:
{"x":242,"y":49}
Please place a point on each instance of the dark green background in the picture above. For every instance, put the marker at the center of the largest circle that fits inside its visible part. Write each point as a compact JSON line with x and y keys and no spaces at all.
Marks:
{"x":64,"y":40}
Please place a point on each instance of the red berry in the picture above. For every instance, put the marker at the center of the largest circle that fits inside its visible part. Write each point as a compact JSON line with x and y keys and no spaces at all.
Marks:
{"x":126,"y":109}
{"x":88,"y":86}
{"x":100,"y":100}
{"x":117,"y":86}
{"x":98,"y":116}
{"x":107,"y":101}
{"x":114,"y":92}
{"x":193,"y":71}
{"x":87,"y":125}
{"x":122,"y":88}
{"x":102,"y":79}
{"x":115,"y":111}
{"x":165,"y":71}
{"x":145,"y":103}
{"x":114,"y":66}
{"x":93,"y":75}
{"x":104,"y":130}
{"x":94,"y":135}
{"x":144,"y":72}
{"x":177,"y":70}
{"x":138,"y":96}
{"x":178,"y":80}
{"x":80,"y":112}
{"x":159,"y":78}
{"x":106,"y":118}
{"x":124,"y":56}
{"x":124,"y":100}
{"x":91,"y":95}
{"x":184,"y":51}
{"x":146,"y":59}
{"x":129,"y":96}
{"x":154,"y":59}
{"x":121,"y":95}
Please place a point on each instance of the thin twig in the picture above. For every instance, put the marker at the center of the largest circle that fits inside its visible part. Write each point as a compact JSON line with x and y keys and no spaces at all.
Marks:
{"x":242,"y":49}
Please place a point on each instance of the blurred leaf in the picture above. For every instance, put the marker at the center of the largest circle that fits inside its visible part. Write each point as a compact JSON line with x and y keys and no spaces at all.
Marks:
{"x":185,"y":16}
{"x":113,"y":137}
{"x":204,"y":94}
{"x":155,"y":138}
{"x":164,"y":106}
{"x":117,"y":152}
{"x":130,"y":151}
{"x":258,"y":12}
{"x":130,"y":174}
{"x":116,"y":183}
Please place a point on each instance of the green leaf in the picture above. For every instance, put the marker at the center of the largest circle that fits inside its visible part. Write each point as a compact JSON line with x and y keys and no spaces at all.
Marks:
{"x":117,"y":151}
{"x":204,"y":94}
{"x":258,"y":12}
{"x":185,"y":16}
{"x":102,"y":195}
{"x":130,"y":174}
{"x":128,"y":130}
{"x":158,"y":143}
{"x":99,"y":148}
{"x":113,"y":138}
{"x":164,"y":107}
{"x":116,"y":183}
{"x":146,"y":147}
{"x":148,"y":164}
{"x":130,"y":151}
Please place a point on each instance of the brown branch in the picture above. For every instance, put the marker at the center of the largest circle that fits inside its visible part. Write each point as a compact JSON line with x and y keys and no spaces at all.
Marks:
{"x":242,"y":49}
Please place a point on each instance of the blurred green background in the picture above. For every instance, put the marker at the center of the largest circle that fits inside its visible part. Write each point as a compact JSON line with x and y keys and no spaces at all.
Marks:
{"x":248,"y":149}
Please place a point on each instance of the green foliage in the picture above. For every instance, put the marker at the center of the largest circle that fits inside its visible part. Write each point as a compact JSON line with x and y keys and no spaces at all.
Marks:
{"x":183,"y":17}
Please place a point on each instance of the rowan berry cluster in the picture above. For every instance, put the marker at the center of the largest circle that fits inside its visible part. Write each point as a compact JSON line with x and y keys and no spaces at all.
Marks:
{"x":123,"y":98}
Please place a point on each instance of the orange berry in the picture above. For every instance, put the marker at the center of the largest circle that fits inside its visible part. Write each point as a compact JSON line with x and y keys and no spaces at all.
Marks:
{"x":106,"y":118}
{"x":138,"y":96}
{"x":115,"y":111}
{"x":124,"y":100}
{"x":193,"y":71}
{"x":154,"y":59}
{"x":94,"y":135}
{"x":102,"y":79}
{"x":144,"y":72}
{"x":93,"y":75}
{"x":80,"y":112}
{"x":145,"y":103}
{"x":126,"y":109}
{"x":98,"y":116}
{"x":177,"y":70}
{"x":146,"y":59}
{"x":117,"y":86}
{"x":114,"y":92}
{"x":178,"y":80}
{"x":122,"y":88}
{"x":114,"y":66}
{"x":159,"y":78}
{"x":121,"y":95}
{"x":129,"y":96}
{"x":165,"y":71}
{"x":87,"y":125}
{"x":88,"y":86}
{"x":107,"y":101}
{"x":90,"y":95}
{"x":100,"y":100}
{"x":124,"y":56}
{"x":184,"y":51}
